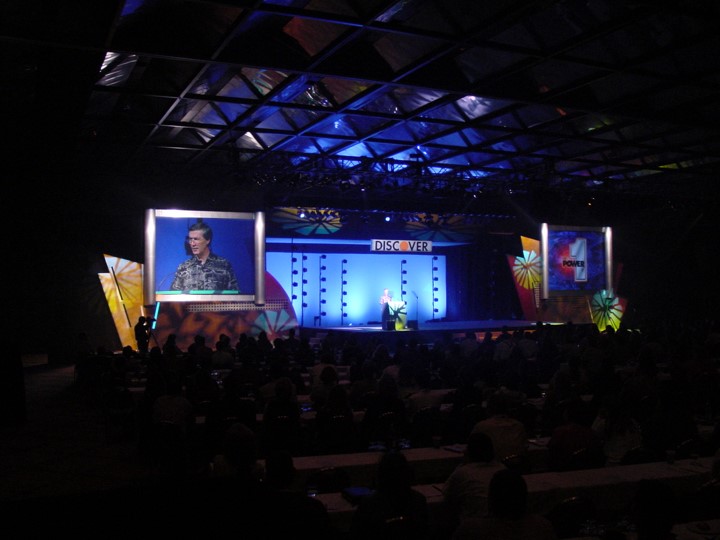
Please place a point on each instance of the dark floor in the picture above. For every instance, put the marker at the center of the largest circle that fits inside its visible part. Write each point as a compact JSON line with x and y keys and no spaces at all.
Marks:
{"x":63,"y":446}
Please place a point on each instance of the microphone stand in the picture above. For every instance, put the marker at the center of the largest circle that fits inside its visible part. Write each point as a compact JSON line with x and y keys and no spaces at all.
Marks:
{"x":417,"y":304}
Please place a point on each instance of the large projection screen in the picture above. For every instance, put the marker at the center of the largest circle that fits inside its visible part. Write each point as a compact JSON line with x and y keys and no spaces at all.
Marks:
{"x":238,"y":237}
{"x":576,"y":260}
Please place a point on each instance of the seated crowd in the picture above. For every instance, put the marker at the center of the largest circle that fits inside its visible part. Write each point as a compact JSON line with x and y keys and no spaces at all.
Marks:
{"x":600,"y":399}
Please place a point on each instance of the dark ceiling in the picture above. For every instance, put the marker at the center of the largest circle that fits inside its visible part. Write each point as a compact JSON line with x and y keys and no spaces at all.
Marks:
{"x":420,"y":104}
{"x":567,"y":111}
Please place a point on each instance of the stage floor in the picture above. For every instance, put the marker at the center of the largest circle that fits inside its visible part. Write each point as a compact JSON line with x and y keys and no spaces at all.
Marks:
{"x":426,"y":333}
{"x":442,"y":326}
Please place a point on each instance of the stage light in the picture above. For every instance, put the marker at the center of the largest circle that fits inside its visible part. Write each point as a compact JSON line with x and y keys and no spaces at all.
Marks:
{"x":295,"y":272}
{"x":403,"y":293}
{"x":404,"y":281}
{"x":304,"y":305}
{"x":323,"y":256}
{"x":294,"y":296}
{"x":403,"y":261}
{"x":435,"y":289}
{"x":344,"y":271}
{"x":301,"y":215}
{"x":344,"y":293}
{"x":344,"y":305}
{"x":436,"y":278}
{"x":323,"y":268}
{"x":387,"y":218}
{"x":323,"y":290}
{"x":304,"y":293}
{"x":323,"y":313}
{"x":344,"y":282}
{"x":404,"y":271}
{"x":294,"y":259}
{"x":344,"y":261}
{"x":305,"y":281}
{"x":323,"y":279}
{"x":294,"y":283}
{"x":436,"y":299}
{"x":435,"y":268}
{"x":436,"y":310}
{"x":323,"y":301}
{"x":304,"y":257}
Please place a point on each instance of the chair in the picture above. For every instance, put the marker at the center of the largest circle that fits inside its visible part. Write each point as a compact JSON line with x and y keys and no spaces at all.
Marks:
{"x":170,"y":450}
{"x":426,"y":424}
{"x":526,"y":413}
{"x":339,"y":435}
{"x":571,"y":515}
{"x":281,"y":432}
{"x":470,"y":415}
{"x":385,"y":428}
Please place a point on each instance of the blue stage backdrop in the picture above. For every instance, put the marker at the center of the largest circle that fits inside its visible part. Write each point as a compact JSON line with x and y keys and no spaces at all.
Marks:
{"x":344,"y":289}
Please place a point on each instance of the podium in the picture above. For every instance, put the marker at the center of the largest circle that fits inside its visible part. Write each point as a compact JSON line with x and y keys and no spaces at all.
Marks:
{"x":398,"y":315}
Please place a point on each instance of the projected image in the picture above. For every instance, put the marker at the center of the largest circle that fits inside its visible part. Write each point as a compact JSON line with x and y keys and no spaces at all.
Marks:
{"x":576,"y":259}
{"x":202,"y":255}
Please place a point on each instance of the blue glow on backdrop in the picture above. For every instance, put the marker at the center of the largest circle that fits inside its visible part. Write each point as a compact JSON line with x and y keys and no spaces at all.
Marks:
{"x":365,"y":277}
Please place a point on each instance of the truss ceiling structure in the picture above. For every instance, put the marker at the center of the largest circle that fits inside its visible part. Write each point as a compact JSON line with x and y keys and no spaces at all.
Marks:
{"x":334,"y":102}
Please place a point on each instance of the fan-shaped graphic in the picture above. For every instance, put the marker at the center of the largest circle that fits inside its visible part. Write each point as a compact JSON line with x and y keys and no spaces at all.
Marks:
{"x":122,"y":285}
{"x":439,"y":228}
{"x":527,"y":269}
{"x":275,"y":323}
{"x":606,"y":309}
{"x":315,"y":222}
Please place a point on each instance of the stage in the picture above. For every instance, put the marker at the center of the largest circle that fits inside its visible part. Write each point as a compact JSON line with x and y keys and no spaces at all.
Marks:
{"x":428,"y":332}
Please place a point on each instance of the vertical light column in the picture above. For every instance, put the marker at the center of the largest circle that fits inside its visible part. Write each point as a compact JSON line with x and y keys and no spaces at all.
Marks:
{"x":435,"y":280}
{"x":322,"y":289}
{"x":343,"y":292}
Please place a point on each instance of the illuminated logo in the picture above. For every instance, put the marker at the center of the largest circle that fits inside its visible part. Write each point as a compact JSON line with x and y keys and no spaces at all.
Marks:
{"x":402,"y":246}
{"x":577,"y":259}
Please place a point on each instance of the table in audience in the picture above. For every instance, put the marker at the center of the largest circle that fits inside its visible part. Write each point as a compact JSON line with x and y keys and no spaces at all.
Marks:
{"x":693,"y":530}
{"x":430,"y":464}
{"x":611,"y":488}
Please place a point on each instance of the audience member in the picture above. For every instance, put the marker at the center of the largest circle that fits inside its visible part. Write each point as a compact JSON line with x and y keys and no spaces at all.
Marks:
{"x":173,"y":407}
{"x":281,"y":419}
{"x":508,"y":516}
{"x":395,"y":509}
{"x":465,"y":491}
{"x":222,"y":357}
{"x":574,"y":444}
{"x":618,"y":431}
{"x":293,"y":511}
{"x":319,"y":392}
{"x":654,"y":510}
{"x":385,"y":418}
{"x":335,"y":430}
{"x":508,"y":435}
{"x":364,"y":386}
